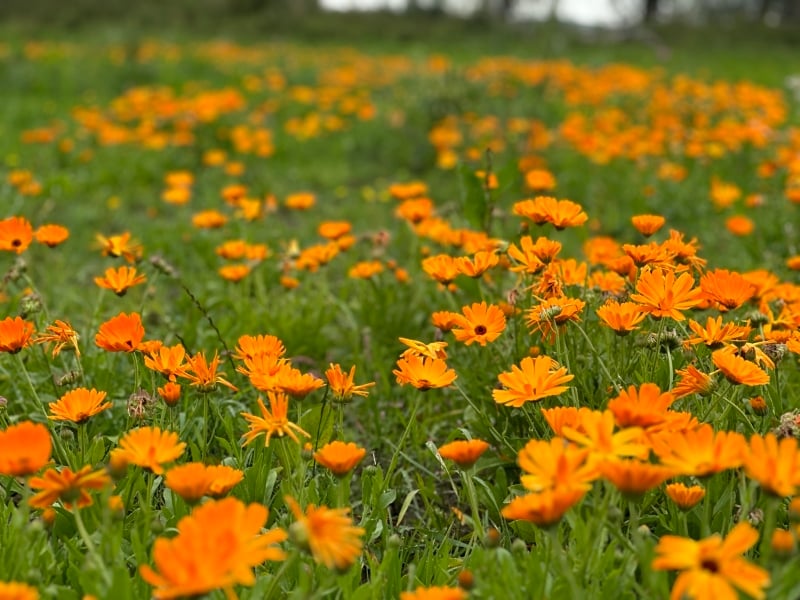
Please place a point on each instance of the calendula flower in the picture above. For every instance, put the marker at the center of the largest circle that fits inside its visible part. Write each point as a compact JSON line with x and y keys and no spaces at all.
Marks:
{"x":423,"y":350}
{"x":194,"y":480}
{"x":24,"y":448}
{"x":16,"y":234}
{"x":634,"y":477}
{"x":442,"y":268}
{"x":250,"y":346}
{"x":78,"y":405}
{"x":234,"y":272}
{"x":273,"y":421}
{"x":464,"y":453}
{"x":167,"y":360}
{"x":647,"y":225}
{"x":699,"y":452}
{"x":543,"y":508}
{"x":51,"y":235}
{"x":436,"y":592}
{"x":68,"y":487}
{"x":423,"y":373}
{"x":621,"y":317}
{"x":727,"y":288}
{"x":297,"y":384}
{"x":595,"y":431}
{"x":686,"y":497}
{"x":15,"y":334}
{"x":334,"y":229}
{"x":120,"y":245}
{"x":170,"y":392}
{"x":774,"y":463}
{"x":661,"y":294}
{"x":736,"y":369}
{"x":217,"y":546}
{"x":644,"y":407}
{"x":122,"y":333}
{"x":120,"y":280}
{"x":223,"y":479}
{"x":693,"y":381}
{"x":712,"y":567}
{"x":12,"y":590}
{"x":532,"y":380}
{"x":555,"y":464}
{"x":480,"y":323}
{"x":478,"y":264}
{"x":342,"y":385}
{"x":203,"y":374}
{"x":61,"y":334}
{"x":328,"y":533}
{"x":549,"y":316}
{"x":540,"y":180}
{"x":148,"y":447}
{"x":338,"y":457}
{"x":715,"y":333}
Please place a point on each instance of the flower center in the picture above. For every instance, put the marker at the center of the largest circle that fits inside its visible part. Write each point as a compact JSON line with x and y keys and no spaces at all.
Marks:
{"x":480,"y":330}
{"x":710,"y":564}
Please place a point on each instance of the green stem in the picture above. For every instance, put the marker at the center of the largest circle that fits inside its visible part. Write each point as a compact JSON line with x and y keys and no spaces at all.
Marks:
{"x":566,"y":568}
{"x":472,"y":497}
{"x":411,"y":419}
{"x":90,"y":548}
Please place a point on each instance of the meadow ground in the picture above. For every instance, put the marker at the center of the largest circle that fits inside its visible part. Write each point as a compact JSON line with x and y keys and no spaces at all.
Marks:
{"x":398,"y":308}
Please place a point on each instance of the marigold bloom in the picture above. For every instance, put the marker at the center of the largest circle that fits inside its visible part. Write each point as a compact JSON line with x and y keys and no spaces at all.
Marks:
{"x":693,"y":381}
{"x":423,"y":350}
{"x":78,"y":405}
{"x":423,"y":373}
{"x":203,"y":374}
{"x":334,"y":229}
{"x":328,"y":533}
{"x":15,"y":334}
{"x":342,"y":385}
{"x":634,"y":477}
{"x":67,"y":486}
{"x":464,"y":453}
{"x":738,"y":370}
{"x":442,"y":267}
{"x":297,"y":384}
{"x":209,"y":219}
{"x":51,"y":235}
{"x":527,"y":256}
{"x":480,"y":323}
{"x":559,"y":417}
{"x":595,"y":431}
{"x":534,"y":379}
{"x":663,"y":295}
{"x":250,"y":346}
{"x":647,"y":225}
{"x":641,"y":408}
{"x":24,"y":448}
{"x":16,"y":234}
{"x":170,"y":392}
{"x":436,"y":592}
{"x":120,"y":280}
{"x":194,"y":480}
{"x":300,"y":200}
{"x":712,"y":567}
{"x":167,"y":360}
{"x":120,"y":245}
{"x":552,"y":313}
{"x":555,"y":464}
{"x":774,"y":463}
{"x":445,"y":320}
{"x":715,"y":333}
{"x":540,"y":180}
{"x":621,"y":317}
{"x":234,"y":273}
{"x":686,"y":497}
{"x":273,"y":421}
{"x":223,"y":479}
{"x":122,"y":333}
{"x":217,"y":546}
{"x":543,"y":508}
{"x":149,"y":448}
{"x":740,"y":225}
{"x":699,"y":452}
{"x":546,"y":209}
{"x":478,"y":264}
{"x":61,"y":334}
{"x":727,"y":288}
{"x":338,"y":457}
{"x":12,"y":590}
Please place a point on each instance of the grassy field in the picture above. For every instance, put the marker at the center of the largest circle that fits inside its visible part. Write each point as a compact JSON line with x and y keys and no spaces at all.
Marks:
{"x":397,"y":308}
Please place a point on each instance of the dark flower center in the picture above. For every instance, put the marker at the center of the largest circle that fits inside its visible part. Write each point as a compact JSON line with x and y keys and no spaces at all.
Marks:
{"x":480,"y":330}
{"x":16,"y":243}
{"x":710,"y":564}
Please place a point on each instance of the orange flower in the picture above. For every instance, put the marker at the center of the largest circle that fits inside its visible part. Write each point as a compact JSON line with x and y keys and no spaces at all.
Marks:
{"x":62,"y":334}
{"x":217,"y":546}
{"x":122,"y":333}
{"x":423,"y":373}
{"x":194,"y":480}
{"x":445,"y":320}
{"x":249,"y":346}
{"x":223,"y":479}
{"x":540,"y":180}
{"x":774,"y":464}
{"x":527,"y":256}
{"x":339,"y":458}
{"x":544,"y":508}
{"x":12,"y":590}
{"x":334,"y":229}
{"x":423,"y":350}
{"x":693,"y":381}
{"x":203,"y":374}
{"x":464,"y":453}
{"x":595,"y":431}
{"x":662,"y":295}
{"x":621,"y":317}
{"x":120,"y":245}
{"x":15,"y":334}
{"x":209,"y":219}
{"x":546,"y":209}
{"x":297,"y":384}
{"x":78,"y":405}
{"x":168,"y":360}
{"x":300,"y":200}
{"x":715,"y":333}
{"x":740,"y":225}
{"x":532,"y":380}
{"x":68,"y":487}
{"x":24,"y":448}
{"x":365,"y":269}
{"x":170,"y":392}
{"x":699,"y":452}
{"x":712,"y":567}
{"x":328,"y":533}
{"x":480,"y":324}
{"x":647,"y":225}
{"x":736,"y":369}
{"x":480,"y":262}
{"x":552,"y":313}
{"x":148,"y":447}
{"x":633,"y":477}
{"x":436,"y":592}
{"x":51,"y":235}
{"x":234,"y":272}
{"x":120,"y":280}
{"x":273,"y":421}
{"x":555,"y":464}
{"x":342,"y":386}
{"x":16,"y":234}
{"x":685,"y":497}
{"x":641,"y":408}
{"x":727,"y":288}
{"x":442,"y":267}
